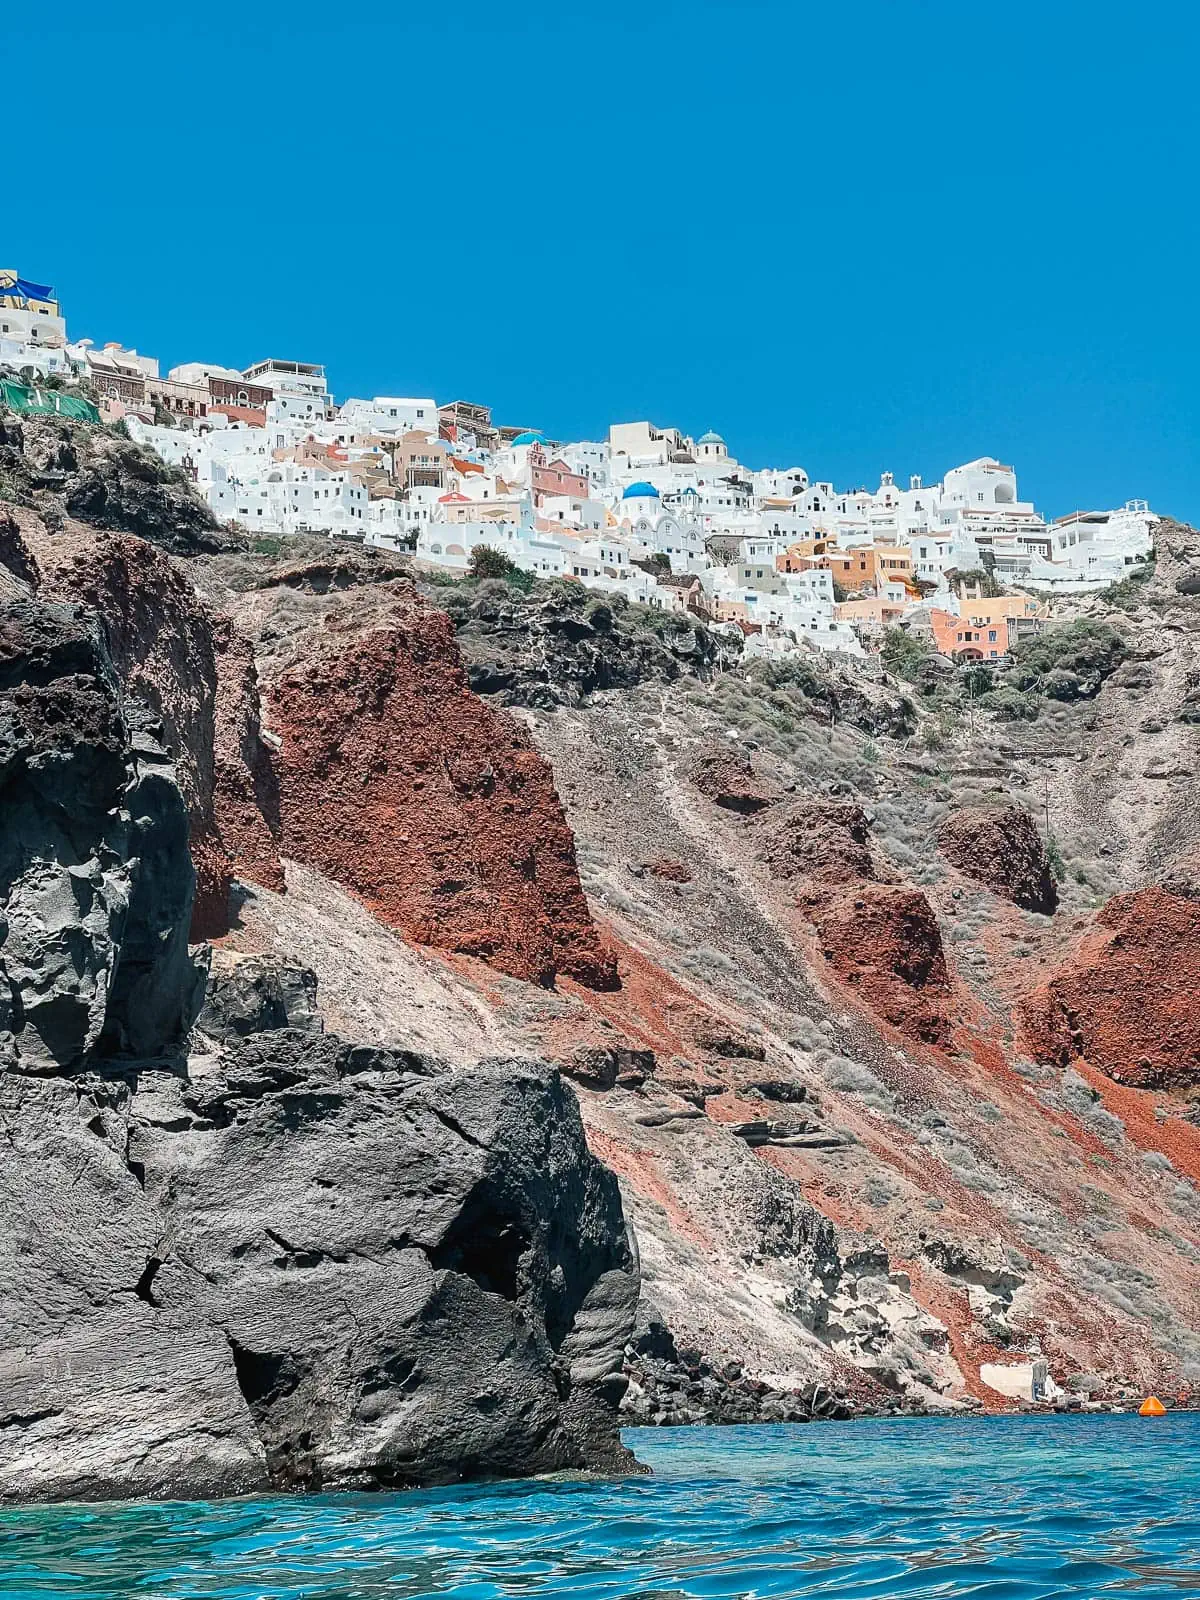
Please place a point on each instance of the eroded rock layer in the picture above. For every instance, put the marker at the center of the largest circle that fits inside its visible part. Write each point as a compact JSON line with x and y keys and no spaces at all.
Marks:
{"x":95,"y":882}
{"x":402,"y":784}
{"x":884,"y":941}
{"x":286,"y":1261}
{"x":190,"y":665}
{"x":1125,"y":1002}
{"x":1001,"y":848}
{"x":315,"y":1266}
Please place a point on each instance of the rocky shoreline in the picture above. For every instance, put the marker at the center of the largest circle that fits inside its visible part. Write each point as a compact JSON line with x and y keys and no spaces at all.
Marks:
{"x":255,"y":1256}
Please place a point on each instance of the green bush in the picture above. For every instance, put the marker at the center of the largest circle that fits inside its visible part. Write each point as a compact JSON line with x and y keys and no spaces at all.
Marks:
{"x":1010,"y":705}
{"x":1063,"y":685}
{"x":1069,"y":662}
{"x":977,"y":679}
{"x":564,"y":592}
{"x":1054,"y":857}
{"x":904,"y":654}
{"x":487,"y":562}
{"x":1131,"y":591}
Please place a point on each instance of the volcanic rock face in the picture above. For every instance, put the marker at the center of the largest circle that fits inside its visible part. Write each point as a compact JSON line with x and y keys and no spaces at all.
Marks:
{"x":1000,"y":847}
{"x":314,"y":1263}
{"x":109,"y":482}
{"x":245,"y":788}
{"x":400,"y":783}
{"x":338,"y":569}
{"x":827,"y":842}
{"x":16,"y":559}
{"x":729,"y":780}
{"x":1126,"y":1001}
{"x":194,"y":670}
{"x":672,"y":1388}
{"x":318,"y":1265}
{"x":255,"y":994}
{"x":884,"y":940}
{"x":563,"y":644}
{"x":95,"y":882}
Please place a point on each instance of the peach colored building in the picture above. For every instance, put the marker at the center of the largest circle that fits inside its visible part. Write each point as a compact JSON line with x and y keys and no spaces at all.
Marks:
{"x":871,"y":615}
{"x":860,"y":567}
{"x":805,"y":554}
{"x":1008,"y":608}
{"x":965,"y":640}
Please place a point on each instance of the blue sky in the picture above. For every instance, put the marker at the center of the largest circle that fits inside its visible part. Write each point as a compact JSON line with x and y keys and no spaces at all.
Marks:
{"x":850,"y":236}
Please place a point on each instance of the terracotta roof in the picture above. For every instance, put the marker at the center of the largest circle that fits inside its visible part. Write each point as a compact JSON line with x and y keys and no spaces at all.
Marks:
{"x":465,"y":466}
{"x":256,"y":419}
{"x":453,"y":499}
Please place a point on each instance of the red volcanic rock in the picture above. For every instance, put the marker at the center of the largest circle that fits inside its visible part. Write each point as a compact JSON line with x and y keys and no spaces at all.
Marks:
{"x":823,"y":841}
{"x":1126,"y":1002}
{"x":667,"y":867}
{"x":884,"y":941}
{"x":728,"y":779}
{"x":1000,"y":847}
{"x":245,"y":788}
{"x":399,"y":782}
{"x":187,"y":663}
{"x":880,"y":938}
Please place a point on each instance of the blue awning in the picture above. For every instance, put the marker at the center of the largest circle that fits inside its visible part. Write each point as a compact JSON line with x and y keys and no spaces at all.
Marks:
{"x":25,"y":290}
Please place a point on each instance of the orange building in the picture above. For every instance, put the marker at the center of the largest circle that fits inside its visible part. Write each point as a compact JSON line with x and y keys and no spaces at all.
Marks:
{"x":862,"y":567}
{"x":805,"y":554}
{"x":1014,"y":609}
{"x":871,"y":615}
{"x":965,"y":640}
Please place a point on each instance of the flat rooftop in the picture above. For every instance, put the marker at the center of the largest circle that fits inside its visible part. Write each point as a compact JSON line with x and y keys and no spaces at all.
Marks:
{"x":306,"y":369}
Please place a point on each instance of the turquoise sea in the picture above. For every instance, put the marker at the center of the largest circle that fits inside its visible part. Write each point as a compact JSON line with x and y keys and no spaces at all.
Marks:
{"x":1007,"y":1508}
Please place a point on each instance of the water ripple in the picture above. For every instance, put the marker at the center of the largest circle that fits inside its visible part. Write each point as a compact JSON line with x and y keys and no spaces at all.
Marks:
{"x":1002,"y":1509}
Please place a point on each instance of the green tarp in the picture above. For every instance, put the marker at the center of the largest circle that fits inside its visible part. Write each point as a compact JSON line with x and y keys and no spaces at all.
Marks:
{"x":32,"y":401}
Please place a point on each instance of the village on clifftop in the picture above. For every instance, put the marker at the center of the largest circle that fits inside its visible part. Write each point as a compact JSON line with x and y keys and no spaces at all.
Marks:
{"x":650,"y":513}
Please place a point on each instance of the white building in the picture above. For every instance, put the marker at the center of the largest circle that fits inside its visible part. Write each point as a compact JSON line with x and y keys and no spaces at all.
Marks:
{"x":634,"y":446}
{"x":302,"y":379}
{"x":33,"y":330}
{"x":387,"y":414}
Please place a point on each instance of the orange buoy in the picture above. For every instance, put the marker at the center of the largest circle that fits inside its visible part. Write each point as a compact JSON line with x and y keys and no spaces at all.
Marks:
{"x":1153,"y":1407}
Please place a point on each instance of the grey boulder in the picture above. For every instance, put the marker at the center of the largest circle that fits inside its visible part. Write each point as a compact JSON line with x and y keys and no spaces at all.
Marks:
{"x":95,"y":880}
{"x":317,"y":1266}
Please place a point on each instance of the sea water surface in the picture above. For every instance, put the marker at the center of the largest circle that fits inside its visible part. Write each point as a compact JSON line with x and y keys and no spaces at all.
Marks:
{"x":1014,"y":1508}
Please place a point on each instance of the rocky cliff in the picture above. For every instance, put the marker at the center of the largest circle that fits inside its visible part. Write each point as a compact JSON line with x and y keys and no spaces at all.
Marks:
{"x":561,"y":644}
{"x":1125,"y":998}
{"x":829,"y":897}
{"x":190,"y":665}
{"x":1001,"y":848}
{"x":98,"y":477}
{"x":398,"y":781}
{"x":873,"y":991}
{"x":95,"y":881}
{"x":310,"y":1266}
{"x":284,"y":1260}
